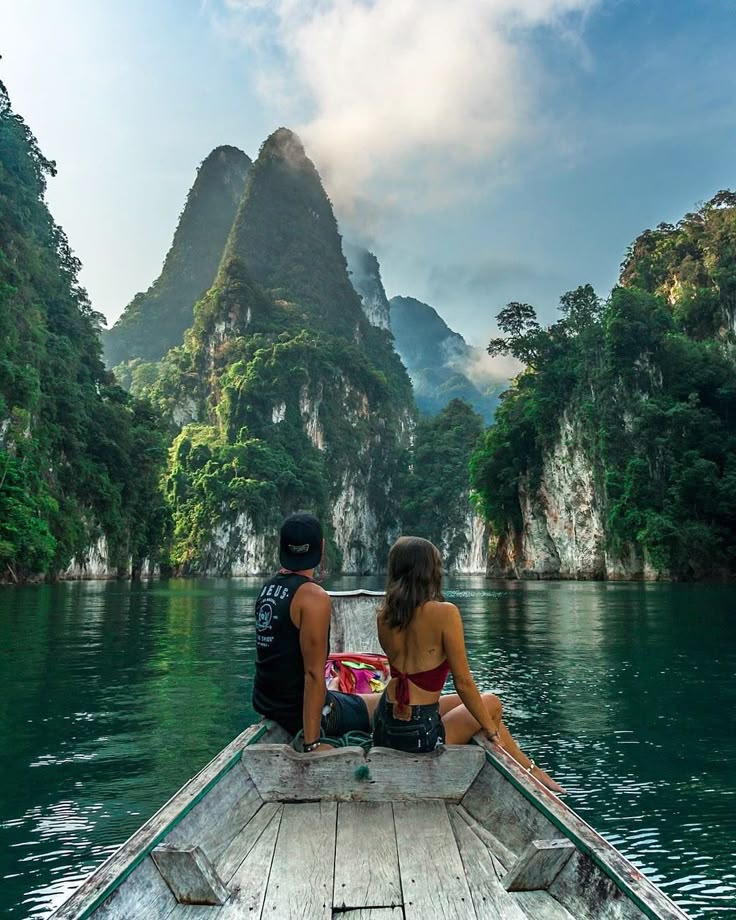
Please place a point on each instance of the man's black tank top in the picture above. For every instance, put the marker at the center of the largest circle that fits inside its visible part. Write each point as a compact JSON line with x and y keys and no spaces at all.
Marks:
{"x":278,"y":689}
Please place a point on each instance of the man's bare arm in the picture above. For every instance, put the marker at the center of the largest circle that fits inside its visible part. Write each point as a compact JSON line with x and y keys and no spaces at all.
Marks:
{"x":315,"y":608}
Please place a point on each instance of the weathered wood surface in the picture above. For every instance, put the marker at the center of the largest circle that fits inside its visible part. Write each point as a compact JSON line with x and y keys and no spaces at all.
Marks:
{"x":219,"y":817}
{"x":490,"y":898}
{"x":240,"y":846}
{"x":496,"y":805}
{"x":353,"y":621}
{"x":540,"y":905}
{"x":248,"y":885}
{"x":281,"y":774}
{"x":370,"y":913}
{"x":598,"y":862}
{"x":366,"y":859}
{"x":136,"y":848}
{"x":588,"y":893}
{"x":302,"y":872}
{"x":501,"y":853}
{"x":432,"y":874}
{"x":190,"y":875}
{"x":539,"y":865}
{"x":144,"y":894}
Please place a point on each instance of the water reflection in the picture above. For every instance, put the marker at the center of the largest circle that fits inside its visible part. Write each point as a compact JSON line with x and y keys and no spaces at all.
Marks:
{"x":113,"y":695}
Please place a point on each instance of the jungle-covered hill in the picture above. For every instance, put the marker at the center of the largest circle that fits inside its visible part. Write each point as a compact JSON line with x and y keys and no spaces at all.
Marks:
{"x":636,"y":395}
{"x":79,"y":458}
{"x":283,"y":395}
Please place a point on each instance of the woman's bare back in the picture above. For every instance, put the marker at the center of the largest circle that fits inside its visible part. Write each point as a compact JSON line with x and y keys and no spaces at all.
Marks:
{"x":419,"y":647}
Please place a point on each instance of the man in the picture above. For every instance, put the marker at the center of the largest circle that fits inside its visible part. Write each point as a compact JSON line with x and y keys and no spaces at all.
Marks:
{"x":292,"y":641}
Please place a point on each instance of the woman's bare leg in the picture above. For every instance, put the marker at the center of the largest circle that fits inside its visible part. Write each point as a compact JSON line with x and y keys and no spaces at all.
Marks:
{"x":460,"y":727}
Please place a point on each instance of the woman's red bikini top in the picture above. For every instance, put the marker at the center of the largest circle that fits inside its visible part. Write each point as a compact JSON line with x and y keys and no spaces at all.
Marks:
{"x":426,"y":680}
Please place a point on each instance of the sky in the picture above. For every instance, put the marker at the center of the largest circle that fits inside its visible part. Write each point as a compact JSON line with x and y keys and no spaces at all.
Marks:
{"x":485,"y":150}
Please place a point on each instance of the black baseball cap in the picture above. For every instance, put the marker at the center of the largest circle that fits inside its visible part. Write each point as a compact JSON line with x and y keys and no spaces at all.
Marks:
{"x":300,"y":542}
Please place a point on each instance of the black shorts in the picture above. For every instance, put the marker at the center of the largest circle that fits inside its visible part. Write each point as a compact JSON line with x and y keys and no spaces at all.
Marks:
{"x":347,"y":713}
{"x":419,"y":735}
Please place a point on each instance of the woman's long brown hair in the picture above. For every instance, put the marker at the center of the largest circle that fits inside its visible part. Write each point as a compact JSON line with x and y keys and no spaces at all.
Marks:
{"x":414,"y":577}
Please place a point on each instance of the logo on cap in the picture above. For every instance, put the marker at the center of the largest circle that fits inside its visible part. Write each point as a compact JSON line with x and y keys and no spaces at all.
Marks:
{"x":299,"y":550}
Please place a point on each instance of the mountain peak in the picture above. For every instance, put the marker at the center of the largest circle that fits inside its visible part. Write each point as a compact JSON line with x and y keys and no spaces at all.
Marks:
{"x":287,"y":145}
{"x":155,"y":320}
{"x":286,"y":236}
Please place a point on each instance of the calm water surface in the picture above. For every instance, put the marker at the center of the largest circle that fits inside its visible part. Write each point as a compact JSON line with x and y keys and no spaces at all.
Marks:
{"x":113,"y":695}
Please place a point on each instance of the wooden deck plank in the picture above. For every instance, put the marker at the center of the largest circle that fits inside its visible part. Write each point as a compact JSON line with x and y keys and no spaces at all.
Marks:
{"x":490,"y":898}
{"x":281,"y":774}
{"x":370,"y":913}
{"x":301,"y":883}
{"x":501,"y":853}
{"x":432,"y":874}
{"x":240,"y":846}
{"x":366,"y":858}
{"x":190,"y":875}
{"x":187,"y":912}
{"x":248,"y":885}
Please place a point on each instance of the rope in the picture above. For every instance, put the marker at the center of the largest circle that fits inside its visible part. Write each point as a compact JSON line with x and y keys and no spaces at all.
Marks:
{"x":349,"y":739}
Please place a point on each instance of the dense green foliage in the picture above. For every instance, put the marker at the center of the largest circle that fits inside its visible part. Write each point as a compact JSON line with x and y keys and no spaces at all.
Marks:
{"x":78,"y":458}
{"x":693,"y":265}
{"x":438,"y":360}
{"x":436,"y":490}
{"x":650,"y":380}
{"x":282,"y":392}
{"x":155,"y":321}
{"x":287,"y":236}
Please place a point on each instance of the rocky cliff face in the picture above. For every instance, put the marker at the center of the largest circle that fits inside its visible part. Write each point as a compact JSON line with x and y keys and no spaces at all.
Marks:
{"x":365,"y":275}
{"x":563,"y":532}
{"x":472,"y":559}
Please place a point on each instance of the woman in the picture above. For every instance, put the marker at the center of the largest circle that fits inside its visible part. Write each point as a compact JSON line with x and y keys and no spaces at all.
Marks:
{"x":422,"y":636}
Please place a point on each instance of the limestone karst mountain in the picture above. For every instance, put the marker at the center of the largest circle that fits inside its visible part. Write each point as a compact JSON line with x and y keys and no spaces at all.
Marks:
{"x":282,"y":354}
{"x":155,"y":320}
{"x":286,"y":396}
{"x":614,"y":454}
{"x":439,"y":360}
{"x":365,"y":274}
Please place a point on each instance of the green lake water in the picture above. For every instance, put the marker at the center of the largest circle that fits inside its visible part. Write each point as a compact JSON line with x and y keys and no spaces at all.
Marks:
{"x":112,"y":695}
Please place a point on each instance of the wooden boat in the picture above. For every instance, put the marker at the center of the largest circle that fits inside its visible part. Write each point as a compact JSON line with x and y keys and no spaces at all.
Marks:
{"x":462,"y":833}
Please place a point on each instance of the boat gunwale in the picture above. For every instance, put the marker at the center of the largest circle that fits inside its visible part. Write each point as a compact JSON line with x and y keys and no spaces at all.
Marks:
{"x":585,"y":837}
{"x":69,"y":909}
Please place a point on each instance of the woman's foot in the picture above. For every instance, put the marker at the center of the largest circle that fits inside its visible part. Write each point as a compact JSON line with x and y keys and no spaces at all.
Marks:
{"x":546,"y":780}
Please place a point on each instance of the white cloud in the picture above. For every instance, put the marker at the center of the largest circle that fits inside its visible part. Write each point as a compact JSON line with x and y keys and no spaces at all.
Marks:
{"x":404,"y":95}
